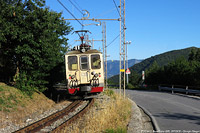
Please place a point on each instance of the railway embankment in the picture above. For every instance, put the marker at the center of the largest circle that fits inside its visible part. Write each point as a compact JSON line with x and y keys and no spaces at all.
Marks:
{"x":110,"y":112}
{"x":18,"y":110}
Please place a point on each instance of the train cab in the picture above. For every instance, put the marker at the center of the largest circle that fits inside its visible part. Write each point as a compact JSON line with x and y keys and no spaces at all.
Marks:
{"x":84,"y":70}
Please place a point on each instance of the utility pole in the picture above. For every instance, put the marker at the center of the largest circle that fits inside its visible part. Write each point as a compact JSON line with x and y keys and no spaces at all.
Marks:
{"x":105,"y":50}
{"x":122,"y":46}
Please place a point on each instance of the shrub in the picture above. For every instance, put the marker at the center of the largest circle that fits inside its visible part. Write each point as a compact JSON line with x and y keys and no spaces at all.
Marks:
{"x":130,"y":86}
{"x":25,"y":84}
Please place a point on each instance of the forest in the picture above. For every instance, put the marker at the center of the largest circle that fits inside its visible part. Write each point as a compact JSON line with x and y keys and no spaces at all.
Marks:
{"x":32,"y":44}
{"x":182,"y":71}
{"x":177,"y":67}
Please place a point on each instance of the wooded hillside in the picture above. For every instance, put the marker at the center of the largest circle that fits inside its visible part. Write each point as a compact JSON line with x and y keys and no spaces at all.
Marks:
{"x":158,"y":61}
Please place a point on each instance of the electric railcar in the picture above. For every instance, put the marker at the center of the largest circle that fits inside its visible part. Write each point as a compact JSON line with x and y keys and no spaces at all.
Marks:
{"x":84,"y":69}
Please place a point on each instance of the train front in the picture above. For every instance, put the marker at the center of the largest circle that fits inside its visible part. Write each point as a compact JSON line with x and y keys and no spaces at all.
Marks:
{"x":84,"y":71}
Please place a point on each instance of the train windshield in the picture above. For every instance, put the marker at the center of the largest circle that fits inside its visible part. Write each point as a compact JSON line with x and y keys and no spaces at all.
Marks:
{"x":95,"y":62}
{"x":84,"y":62}
{"x":72,"y":63}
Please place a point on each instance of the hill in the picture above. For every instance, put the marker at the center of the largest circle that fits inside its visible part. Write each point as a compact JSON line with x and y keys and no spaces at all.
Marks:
{"x":161,"y":59}
{"x":113,"y":66}
{"x":15,"y":105}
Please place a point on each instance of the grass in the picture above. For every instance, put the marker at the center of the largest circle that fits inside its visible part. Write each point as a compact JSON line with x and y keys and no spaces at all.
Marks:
{"x":8,"y":98}
{"x":108,"y":116}
{"x":118,"y":130}
{"x":109,"y":92}
{"x":16,"y":107}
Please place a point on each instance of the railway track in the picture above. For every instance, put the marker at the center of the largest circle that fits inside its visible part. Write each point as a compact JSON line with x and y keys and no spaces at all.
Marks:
{"x":41,"y":124}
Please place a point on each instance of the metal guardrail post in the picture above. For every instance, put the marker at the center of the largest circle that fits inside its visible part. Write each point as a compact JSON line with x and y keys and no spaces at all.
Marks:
{"x":186,"y":90}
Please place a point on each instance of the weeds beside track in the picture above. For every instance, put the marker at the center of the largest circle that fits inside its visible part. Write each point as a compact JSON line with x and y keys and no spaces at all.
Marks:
{"x":37,"y":126}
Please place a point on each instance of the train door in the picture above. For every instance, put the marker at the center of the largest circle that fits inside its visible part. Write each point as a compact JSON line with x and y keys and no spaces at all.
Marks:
{"x":85,"y":69}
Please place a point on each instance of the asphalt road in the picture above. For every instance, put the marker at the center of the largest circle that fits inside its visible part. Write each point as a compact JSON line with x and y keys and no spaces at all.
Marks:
{"x":171,"y":111}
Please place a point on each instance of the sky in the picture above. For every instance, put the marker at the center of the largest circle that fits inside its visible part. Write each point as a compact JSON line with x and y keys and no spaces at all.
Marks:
{"x":153,"y":26}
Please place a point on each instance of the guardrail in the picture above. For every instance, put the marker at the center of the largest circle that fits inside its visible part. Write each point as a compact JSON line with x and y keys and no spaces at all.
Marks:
{"x":185,"y":90}
{"x":113,"y":85}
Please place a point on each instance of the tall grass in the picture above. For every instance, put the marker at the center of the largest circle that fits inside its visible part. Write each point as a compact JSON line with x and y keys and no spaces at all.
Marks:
{"x":110,"y":115}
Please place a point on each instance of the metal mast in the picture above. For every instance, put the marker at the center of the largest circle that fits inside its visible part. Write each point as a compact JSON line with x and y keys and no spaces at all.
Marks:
{"x":122,"y":46}
{"x":104,"y":51}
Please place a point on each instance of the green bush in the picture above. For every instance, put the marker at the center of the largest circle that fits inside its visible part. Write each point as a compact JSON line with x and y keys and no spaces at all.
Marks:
{"x":109,"y":92}
{"x":25,"y":84}
{"x":130,"y":86}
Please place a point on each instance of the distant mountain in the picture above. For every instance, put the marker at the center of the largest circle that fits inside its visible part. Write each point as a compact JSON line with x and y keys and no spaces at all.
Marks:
{"x":161,"y":59}
{"x":113,"y":66}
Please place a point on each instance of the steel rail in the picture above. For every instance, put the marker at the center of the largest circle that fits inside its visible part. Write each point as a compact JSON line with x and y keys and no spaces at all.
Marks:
{"x":37,"y":126}
{"x":75,"y":117}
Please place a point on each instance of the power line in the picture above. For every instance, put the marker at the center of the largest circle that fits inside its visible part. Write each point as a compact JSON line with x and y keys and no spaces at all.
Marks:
{"x":105,"y":13}
{"x":75,"y":6}
{"x":112,"y":40}
{"x":116,"y":7}
{"x":70,"y":13}
{"x":78,"y":5}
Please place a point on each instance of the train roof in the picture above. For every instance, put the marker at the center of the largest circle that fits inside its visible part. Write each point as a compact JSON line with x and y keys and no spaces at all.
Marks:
{"x":86,"y":52}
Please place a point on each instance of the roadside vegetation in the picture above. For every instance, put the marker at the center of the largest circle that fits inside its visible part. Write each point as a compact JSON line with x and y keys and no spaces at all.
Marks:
{"x":110,"y":115}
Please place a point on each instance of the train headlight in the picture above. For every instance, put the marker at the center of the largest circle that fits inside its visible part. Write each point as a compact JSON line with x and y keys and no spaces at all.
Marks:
{"x":73,"y":76}
{"x":83,"y":50}
{"x":93,"y":73}
{"x":96,"y":75}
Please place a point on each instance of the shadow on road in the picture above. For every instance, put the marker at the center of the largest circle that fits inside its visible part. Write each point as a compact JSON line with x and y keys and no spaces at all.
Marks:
{"x":180,"y":116}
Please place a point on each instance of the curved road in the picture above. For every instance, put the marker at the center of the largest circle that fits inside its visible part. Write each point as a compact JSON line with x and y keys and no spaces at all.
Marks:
{"x":171,"y":111}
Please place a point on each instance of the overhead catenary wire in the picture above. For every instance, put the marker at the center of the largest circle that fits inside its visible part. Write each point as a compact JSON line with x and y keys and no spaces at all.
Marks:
{"x":76,"y":7}
{"x":116,"y":7}
{"x":70,"y":13}
{"x":112,"y":41}
{"x":105,"y":13}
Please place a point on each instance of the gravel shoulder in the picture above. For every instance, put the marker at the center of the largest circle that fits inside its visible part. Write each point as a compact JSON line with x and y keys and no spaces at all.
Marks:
{"x":139,"y":122}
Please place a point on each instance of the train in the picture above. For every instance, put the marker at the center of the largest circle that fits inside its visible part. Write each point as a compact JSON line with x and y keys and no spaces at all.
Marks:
{"x":84,"y":69}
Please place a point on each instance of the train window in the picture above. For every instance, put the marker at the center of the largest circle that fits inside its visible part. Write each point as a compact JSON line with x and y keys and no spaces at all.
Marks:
{"x":72,"y":63}
{"x":95,"y":62}
{"x":84,"y":62}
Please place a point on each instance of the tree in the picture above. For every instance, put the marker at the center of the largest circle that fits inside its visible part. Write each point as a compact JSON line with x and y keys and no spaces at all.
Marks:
{"x":32,"y":41}
{"x":194,"y":55}
{"x":134,"y":78}
{"x":152,"y":74}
